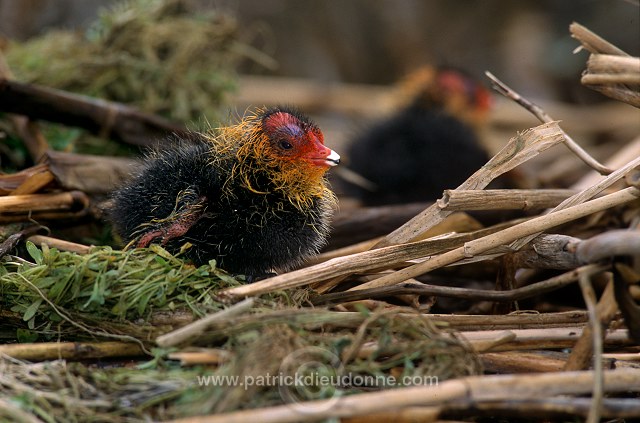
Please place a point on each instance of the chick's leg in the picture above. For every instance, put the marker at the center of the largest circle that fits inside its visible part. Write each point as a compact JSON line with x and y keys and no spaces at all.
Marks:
{"x":189,"y":209}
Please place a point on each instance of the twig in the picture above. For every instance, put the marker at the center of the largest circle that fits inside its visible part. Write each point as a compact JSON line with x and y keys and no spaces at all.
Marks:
{"x":355,"y":263}
{"x":539,"y":113}
{"x":474,"y":389}
{"x":70,"y":350}
{"x":596,"y":328}
{"x":566,"y":252}
{"x":482,"y":245}
{"x":538,"y":288}
{"x":60,"y":244}
{"x":585,"y":194}
{"x":199,"y":326}
{"x":502,"y":199}
{"x":64,"y":201}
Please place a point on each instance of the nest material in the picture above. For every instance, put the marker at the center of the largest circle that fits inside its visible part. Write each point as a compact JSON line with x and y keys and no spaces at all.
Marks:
{"x":161,"y":56}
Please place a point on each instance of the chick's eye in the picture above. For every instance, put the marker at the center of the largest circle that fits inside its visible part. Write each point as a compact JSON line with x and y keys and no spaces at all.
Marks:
{"x":285,"y":145}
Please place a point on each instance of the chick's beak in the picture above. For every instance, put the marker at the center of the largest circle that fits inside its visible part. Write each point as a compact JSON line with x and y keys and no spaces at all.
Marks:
{"x":323,"y":156}
{"x":333,"y":158}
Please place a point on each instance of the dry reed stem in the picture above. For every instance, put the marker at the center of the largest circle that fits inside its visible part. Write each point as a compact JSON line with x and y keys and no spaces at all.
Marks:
{"x":70,"y":350}
{"x":502,"y":199}
{"x":592,"y":42}
{"x":341,"y":266}
{"x":34,"y":183}
{"x":59,"y":244}
{"x":596,"y":340}
{"x":470,"y":390}
{"x":507,"y":236}
{"x":516,"y":294}
{"x":64,"y":201}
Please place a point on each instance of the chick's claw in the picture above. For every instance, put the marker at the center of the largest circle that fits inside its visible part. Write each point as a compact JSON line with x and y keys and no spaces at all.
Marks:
{"x":177,"y":228}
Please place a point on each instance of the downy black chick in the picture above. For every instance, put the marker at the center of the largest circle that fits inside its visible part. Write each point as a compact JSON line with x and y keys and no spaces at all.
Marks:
{"x":426,"y":147}
{"x":252,"y":196}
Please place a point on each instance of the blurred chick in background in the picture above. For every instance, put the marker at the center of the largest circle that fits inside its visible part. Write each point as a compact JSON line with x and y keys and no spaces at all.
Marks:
{"x":429,"y":145}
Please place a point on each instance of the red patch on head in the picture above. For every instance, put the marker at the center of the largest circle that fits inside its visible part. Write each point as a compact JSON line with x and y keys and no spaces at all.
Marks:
{"x":275,"y":122}
{"x":306,"y":140}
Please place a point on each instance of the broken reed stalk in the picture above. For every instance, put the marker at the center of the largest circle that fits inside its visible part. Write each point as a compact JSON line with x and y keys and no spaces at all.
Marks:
{"x":34,"y":183}
{"x":470,"y":390}
{"x":506,"y":236}
{"x":596,"y":342}
{"x":64,"y":201}
{"x":608,"y":75}
{"x":582,"y":354}
{"x":592,"y":42}
{"x":567,"y":252}
{"x":59,"y":244}
{"x":515,"y":339}
{"x":542,"y":116}
{"x":502,"y":199}
{"x":70,"y":350}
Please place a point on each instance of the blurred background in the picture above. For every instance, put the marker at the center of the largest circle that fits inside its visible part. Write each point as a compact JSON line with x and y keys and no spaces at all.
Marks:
{"x":379,"y":41}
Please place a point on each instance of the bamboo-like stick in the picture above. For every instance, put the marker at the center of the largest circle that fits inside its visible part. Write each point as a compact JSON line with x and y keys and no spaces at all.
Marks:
{"x":610,"y":78}
{"x":71,"y":350}
{"x":60,"y":244}
{"x":522,"y":362}
{"x":596,"y":341}
{"x":64,"y":201}
{"x":601,"y":63}
{"x":592,"y":42}
{"x":503,"y":199}
{"x":472,"y":389}
{"x":490,"y":242}
{"x":606,"y":309}
{"x":203,"y":356}
{"x":34,"y":183}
